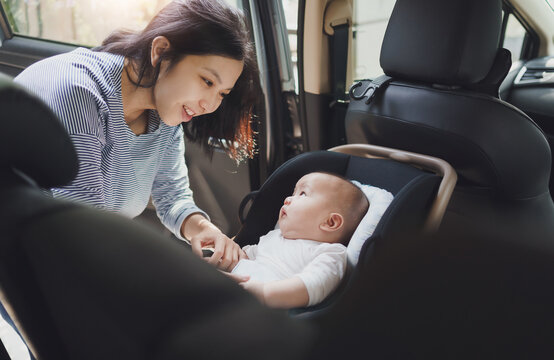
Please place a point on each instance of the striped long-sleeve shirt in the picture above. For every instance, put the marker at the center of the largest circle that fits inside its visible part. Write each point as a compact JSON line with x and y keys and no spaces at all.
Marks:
{"x":118,"y":170}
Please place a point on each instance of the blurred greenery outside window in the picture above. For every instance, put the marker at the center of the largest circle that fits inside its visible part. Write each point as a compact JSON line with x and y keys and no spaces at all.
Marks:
{"x":79,"y":22}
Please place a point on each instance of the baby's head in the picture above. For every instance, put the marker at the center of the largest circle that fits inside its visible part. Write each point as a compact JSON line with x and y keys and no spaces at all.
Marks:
{"x":323,"y":207}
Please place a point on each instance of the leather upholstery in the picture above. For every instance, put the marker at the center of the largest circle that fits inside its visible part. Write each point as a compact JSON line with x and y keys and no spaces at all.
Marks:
{"x":446,"y":67}
{"x":33,"y":140}
{"x":458,"y":126}
{"x":451,"y":42}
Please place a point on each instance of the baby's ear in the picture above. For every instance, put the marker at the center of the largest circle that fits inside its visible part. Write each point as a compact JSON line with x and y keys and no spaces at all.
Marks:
{"x":333,"y":222}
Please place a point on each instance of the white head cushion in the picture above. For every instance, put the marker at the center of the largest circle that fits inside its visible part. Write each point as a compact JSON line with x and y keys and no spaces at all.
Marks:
{"x":379,"y":201}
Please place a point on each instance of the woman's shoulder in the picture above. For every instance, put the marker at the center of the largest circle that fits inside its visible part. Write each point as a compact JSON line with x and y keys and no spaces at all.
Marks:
{"x":78,"y":69}
{"x":96,"y":61}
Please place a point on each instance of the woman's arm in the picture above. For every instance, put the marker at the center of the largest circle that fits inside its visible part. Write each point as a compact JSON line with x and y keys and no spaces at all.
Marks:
{"x":172,"y":197}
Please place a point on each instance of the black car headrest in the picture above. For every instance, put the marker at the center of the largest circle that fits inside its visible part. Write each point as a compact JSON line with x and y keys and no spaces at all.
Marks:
{"x":491,"y":83}
{"x":32,"y":139}
{"x":450,"y":42}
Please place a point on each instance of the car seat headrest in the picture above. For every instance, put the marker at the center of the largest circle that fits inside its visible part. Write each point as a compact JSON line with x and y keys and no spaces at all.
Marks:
{"x":32,"y":140}
{"x":491,"y":83}
{"x":450,"y":42}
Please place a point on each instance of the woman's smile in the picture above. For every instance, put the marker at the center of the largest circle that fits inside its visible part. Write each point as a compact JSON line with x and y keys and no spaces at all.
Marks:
{"x":187,"y":114}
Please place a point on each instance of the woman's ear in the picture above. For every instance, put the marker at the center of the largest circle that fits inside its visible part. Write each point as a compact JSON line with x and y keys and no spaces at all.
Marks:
{"x":333,"y":222}
{"x":160,"y":44}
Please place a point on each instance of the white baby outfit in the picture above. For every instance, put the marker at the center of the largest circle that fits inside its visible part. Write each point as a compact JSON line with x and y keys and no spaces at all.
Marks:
{"x":321,"y":266}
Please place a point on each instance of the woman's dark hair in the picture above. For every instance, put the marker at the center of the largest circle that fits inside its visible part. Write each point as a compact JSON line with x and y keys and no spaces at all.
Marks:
{"x":201,"y":27}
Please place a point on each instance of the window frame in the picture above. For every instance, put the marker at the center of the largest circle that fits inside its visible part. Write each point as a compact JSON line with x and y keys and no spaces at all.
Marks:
{"x":531,"y":41}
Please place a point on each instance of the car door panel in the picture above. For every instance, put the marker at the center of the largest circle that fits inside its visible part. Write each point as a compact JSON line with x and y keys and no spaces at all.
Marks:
{"x":19,"y":52}
{"x":219,"y":184}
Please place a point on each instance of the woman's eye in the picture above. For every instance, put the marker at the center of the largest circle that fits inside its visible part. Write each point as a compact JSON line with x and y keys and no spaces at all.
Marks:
{"x":223,"y":95}
{"x":208,"y":82}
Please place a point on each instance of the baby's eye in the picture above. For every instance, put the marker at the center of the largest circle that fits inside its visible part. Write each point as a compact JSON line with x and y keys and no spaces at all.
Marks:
{"x":208,"y":82}
{"x":302,"y":193}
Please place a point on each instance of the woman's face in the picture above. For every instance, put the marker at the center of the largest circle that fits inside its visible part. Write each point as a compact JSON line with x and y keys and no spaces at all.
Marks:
{"x":194,"y":86}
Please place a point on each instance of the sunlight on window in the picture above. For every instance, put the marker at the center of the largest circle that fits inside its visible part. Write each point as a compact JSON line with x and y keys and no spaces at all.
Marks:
{"x":514,"y":37}
{"x":370,"y":22}
{"x":290,"y":8}
{"x":81,"y":22}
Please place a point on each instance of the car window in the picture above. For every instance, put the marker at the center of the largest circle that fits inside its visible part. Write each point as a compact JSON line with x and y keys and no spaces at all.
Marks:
{"x":79,"y":22}
{"x":514,"y":37}
{"x":290,"y":8}
{"x":370,"y":21}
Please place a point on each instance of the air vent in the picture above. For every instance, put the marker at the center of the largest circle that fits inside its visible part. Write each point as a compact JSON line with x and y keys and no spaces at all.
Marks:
{"x":531,"y":75}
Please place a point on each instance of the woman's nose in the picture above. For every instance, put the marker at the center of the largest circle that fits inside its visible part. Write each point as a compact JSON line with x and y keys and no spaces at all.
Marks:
{"x":209,"y":105}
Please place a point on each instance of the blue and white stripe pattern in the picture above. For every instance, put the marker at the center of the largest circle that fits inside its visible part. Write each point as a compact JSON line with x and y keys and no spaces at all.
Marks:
{"x":118,"y":170}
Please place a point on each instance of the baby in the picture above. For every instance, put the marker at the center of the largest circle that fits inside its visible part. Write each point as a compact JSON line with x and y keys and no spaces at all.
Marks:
{"x":303,"y":261}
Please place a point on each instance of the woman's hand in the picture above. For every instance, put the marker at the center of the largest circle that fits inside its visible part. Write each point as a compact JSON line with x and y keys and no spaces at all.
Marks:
{"x":202,"y":233}
{"x":227,"y":253}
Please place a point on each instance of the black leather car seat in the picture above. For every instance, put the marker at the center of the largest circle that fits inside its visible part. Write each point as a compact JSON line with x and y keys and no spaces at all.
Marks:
{"x":445,"y":63}
{"x":81,"y":283}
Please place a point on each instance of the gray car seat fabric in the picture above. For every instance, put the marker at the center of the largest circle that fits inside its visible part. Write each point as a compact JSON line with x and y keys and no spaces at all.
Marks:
{"x":87,"y":284}
{"x":445,"y":64}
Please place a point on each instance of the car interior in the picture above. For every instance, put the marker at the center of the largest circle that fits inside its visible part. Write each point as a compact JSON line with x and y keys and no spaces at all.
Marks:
{"x":419,"y":185}
{"x":444,"y":102}
{"x":466,"y":83}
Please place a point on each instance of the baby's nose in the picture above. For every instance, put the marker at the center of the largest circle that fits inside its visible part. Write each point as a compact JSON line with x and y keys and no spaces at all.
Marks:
{"x":287,"y":200}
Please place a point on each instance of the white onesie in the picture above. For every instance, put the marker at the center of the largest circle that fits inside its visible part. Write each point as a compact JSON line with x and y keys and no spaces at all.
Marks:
{"x":320,"y":265}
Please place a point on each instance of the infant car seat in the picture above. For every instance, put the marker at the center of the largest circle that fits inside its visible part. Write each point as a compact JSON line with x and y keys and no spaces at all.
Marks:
{"x":421,"y":186}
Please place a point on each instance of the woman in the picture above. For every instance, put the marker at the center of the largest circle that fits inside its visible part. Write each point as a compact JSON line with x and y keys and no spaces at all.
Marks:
{"x":122,"y":103}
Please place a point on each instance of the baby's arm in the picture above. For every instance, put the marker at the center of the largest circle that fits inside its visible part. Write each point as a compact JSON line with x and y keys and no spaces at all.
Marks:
{"x":285,"y":294}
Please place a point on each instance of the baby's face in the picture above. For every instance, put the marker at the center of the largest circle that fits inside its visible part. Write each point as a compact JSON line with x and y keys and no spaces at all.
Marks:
{"x":308,"y":207}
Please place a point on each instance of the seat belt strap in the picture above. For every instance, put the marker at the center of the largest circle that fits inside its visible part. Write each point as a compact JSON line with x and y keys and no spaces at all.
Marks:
{"x":380,"y":82}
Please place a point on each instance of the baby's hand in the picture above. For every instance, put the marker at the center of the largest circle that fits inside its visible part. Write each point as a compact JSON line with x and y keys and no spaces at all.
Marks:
{"x":238,"y":278}
{"x":256,"y":288}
